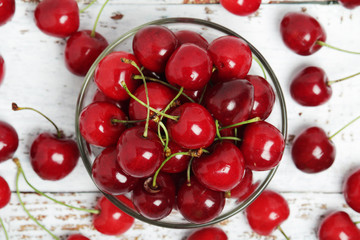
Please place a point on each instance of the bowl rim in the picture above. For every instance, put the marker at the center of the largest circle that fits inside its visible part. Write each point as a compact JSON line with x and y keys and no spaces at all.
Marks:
{"x":82,"y":145}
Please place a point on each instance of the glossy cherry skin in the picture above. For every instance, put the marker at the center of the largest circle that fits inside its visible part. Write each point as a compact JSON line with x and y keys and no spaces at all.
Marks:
{"x":230,"y":102}
{"x":111,"y":220}
{"x":100,"y":97}
{"x":53,"y":158}
{"x":139,"y":156}
{"x":81,"y":51}
{"x":199,"y":204}
{"x":7,"y":10}
{"x":108,"y":175}
{"x":96,"y":126}
{"x":188,"y":36}
{"x":2,"y":69}
{"x":350,"y":3}
{"x":189,"y":66}
{"x":300,"y":32}
{"x":9,"y":141}
{"x":267,"y":212}
{"x":177,"y":163}
{"x":351,"y":190}
{"x":57,"y":18}
{"x":338,"y":226}
{"x":242,"y":187}
{"x":230,"y":64}
{"x":221,"y":170}
{"x":264,"y":97}
{"x":111,"y":72}
{"x":194,"y":129}
{"x":312,"y":151}
{"x":153,"y":45}
{"x":241,"y":8}
{"x":5,"y":193}
{"x":155,"y":204}
{"x":262,"y":146}
{"x":77,"y":237}
{"x":310,"y":87}
{"x":209,"y":233}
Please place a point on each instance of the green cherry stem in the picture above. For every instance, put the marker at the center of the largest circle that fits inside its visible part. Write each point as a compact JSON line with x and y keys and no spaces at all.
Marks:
{"x":342,"y":79}
{"x":283,"y":233}
{"x":227,"y":138}
{"x":356,"y":222}
{"x":154,"y":185}
{"x":126,"y":121}
{"x":255,"y":119}
{"x":351,"y":122}
{"x":324,"y":44}
{"x":217,"y":126}
{"x":89,"y":5}
{"x":203,"y":94}
{"x":163,"y":127}
{"x":15,"y":107}
{"x":173,"y":100}
{"x":97,"y":18}
{"x":21,"y":171}
{"x":188,"y":172}
{"x":3,"y":227}
{"x":261,"y":66}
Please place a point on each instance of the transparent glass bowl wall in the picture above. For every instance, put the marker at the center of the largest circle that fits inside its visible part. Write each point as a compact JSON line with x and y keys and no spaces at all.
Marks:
{"x":210,"y":31}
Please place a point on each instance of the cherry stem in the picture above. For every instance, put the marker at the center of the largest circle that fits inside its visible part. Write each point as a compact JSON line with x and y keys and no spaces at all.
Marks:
{"x":20,"y":170}
{"x":154,"y":185}
{"x":15,"y":107}
{"x":3,"y":227}
{"x":174,"y":99}
{"x":356,"y":222}
{"x":324,"y":44}
{"x":166,"y":143}
{"x":114,"y":120}
{"x":236,"y":135}
{"x":261,"y":66}
{"x":283,"y":233}
{"x":203,"y":94}
{"x":217,"y":129}
{"x":228,"y":194}
{"x":227,"y":138}
{"x":252,"y":120}
{"x":97,"y":18}
{"x":89,"y":5}
{"x":352,"y":121}
{"x":342,"y":79}
{"x":188,"y":172}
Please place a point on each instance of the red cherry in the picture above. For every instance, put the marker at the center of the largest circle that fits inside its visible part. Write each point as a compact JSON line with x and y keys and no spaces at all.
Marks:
{"x":139,"y":156}
{"x":221,"y":170}
{"x":262,"y":147}
{"x":155,"y":203}
{"x":267,"y":212}
{"x":111,"y":72}
{"x":300,"y":32}
{"x":230,"y":102}
{"x":310,"y":87}
{"x":57,"y":18}
{"x":264,"y":97}
{"x":209,"y":233}
{"x":241,"y":8}
{"x":351,"y":190}
{"x":5,"y":193}
{"x":247,"y":192}
{"x":96,"y":124}
{"x":9,"y":141}
{"x":2,"y":68}
{"x":312,"y":151}
{"x":350,"y":3}
{"x":153,"y":45}
{"x":77,"y":237}
{"x":230,"y":64}
{"x":81,"y":51}
{"x":188,"y":36}
{"x":7,"y":10}
{"x":199,"y":204}
{"x":194,"y":129}
{"x":177,"y":163}
{"x":338,"y":226}
{"x":100,"y":97}
{"x":53,"y":158}
{"x":242,"y":187}
{"x":189,"y":67}
{"x":193,"y":94}
{"x":111,"y":220}
{"x":108,"y":175}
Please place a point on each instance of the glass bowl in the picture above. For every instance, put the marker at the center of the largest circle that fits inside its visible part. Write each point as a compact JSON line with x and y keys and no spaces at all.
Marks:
{"x":210,"y":31}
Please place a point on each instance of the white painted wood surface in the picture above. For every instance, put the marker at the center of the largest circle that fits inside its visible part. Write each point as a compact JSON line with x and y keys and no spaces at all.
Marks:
{"x":36,"y":76}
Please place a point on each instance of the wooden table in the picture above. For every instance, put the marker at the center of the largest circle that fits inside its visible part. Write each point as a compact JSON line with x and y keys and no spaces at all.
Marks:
{"x":36,"y":76}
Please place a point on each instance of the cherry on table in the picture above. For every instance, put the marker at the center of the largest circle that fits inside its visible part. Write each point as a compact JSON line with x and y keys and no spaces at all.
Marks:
{"x":188,"y":36}
{"x":77,"y":237}
{"x":351,"y":4}
{"x":9,"y":141}
{"x":2,"y":69}
{"x":5,"y":193}
{"x":7,"y":10}
{"x":351,"y":189}
{"x":241,"y":8}
{"x":209,"y":233}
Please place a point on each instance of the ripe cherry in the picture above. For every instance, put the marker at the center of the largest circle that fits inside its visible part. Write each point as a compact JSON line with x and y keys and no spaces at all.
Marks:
{"x":5,"y":193}
{"x":188,"y":36}
{"x":301,"y":33}
{"x":262,"y":146}
{"x":9,"y":141}
{"x":230,"y":64}
{"x":7,"y":10}
{"x":189,"y":66}
{"x":82,"y":49}
{"x":267,"y":212}
{"x":351,"y":190}
{"x":337,"y":226}
{"x":194,"y":129}
{"x":153,"y":45}
{"x":77,"y":237}
{"x":209,"y":233}
{"x":97,"y":124}
{"x":2,"y":69}
{"x":100,"y":97}
{"x":241,"y":8}
{"x":350,"y":3}
{"x":242,"y":187}
{"x":111,"y":220}
{"x":57,"y":18}
{"x":177,"y":163}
